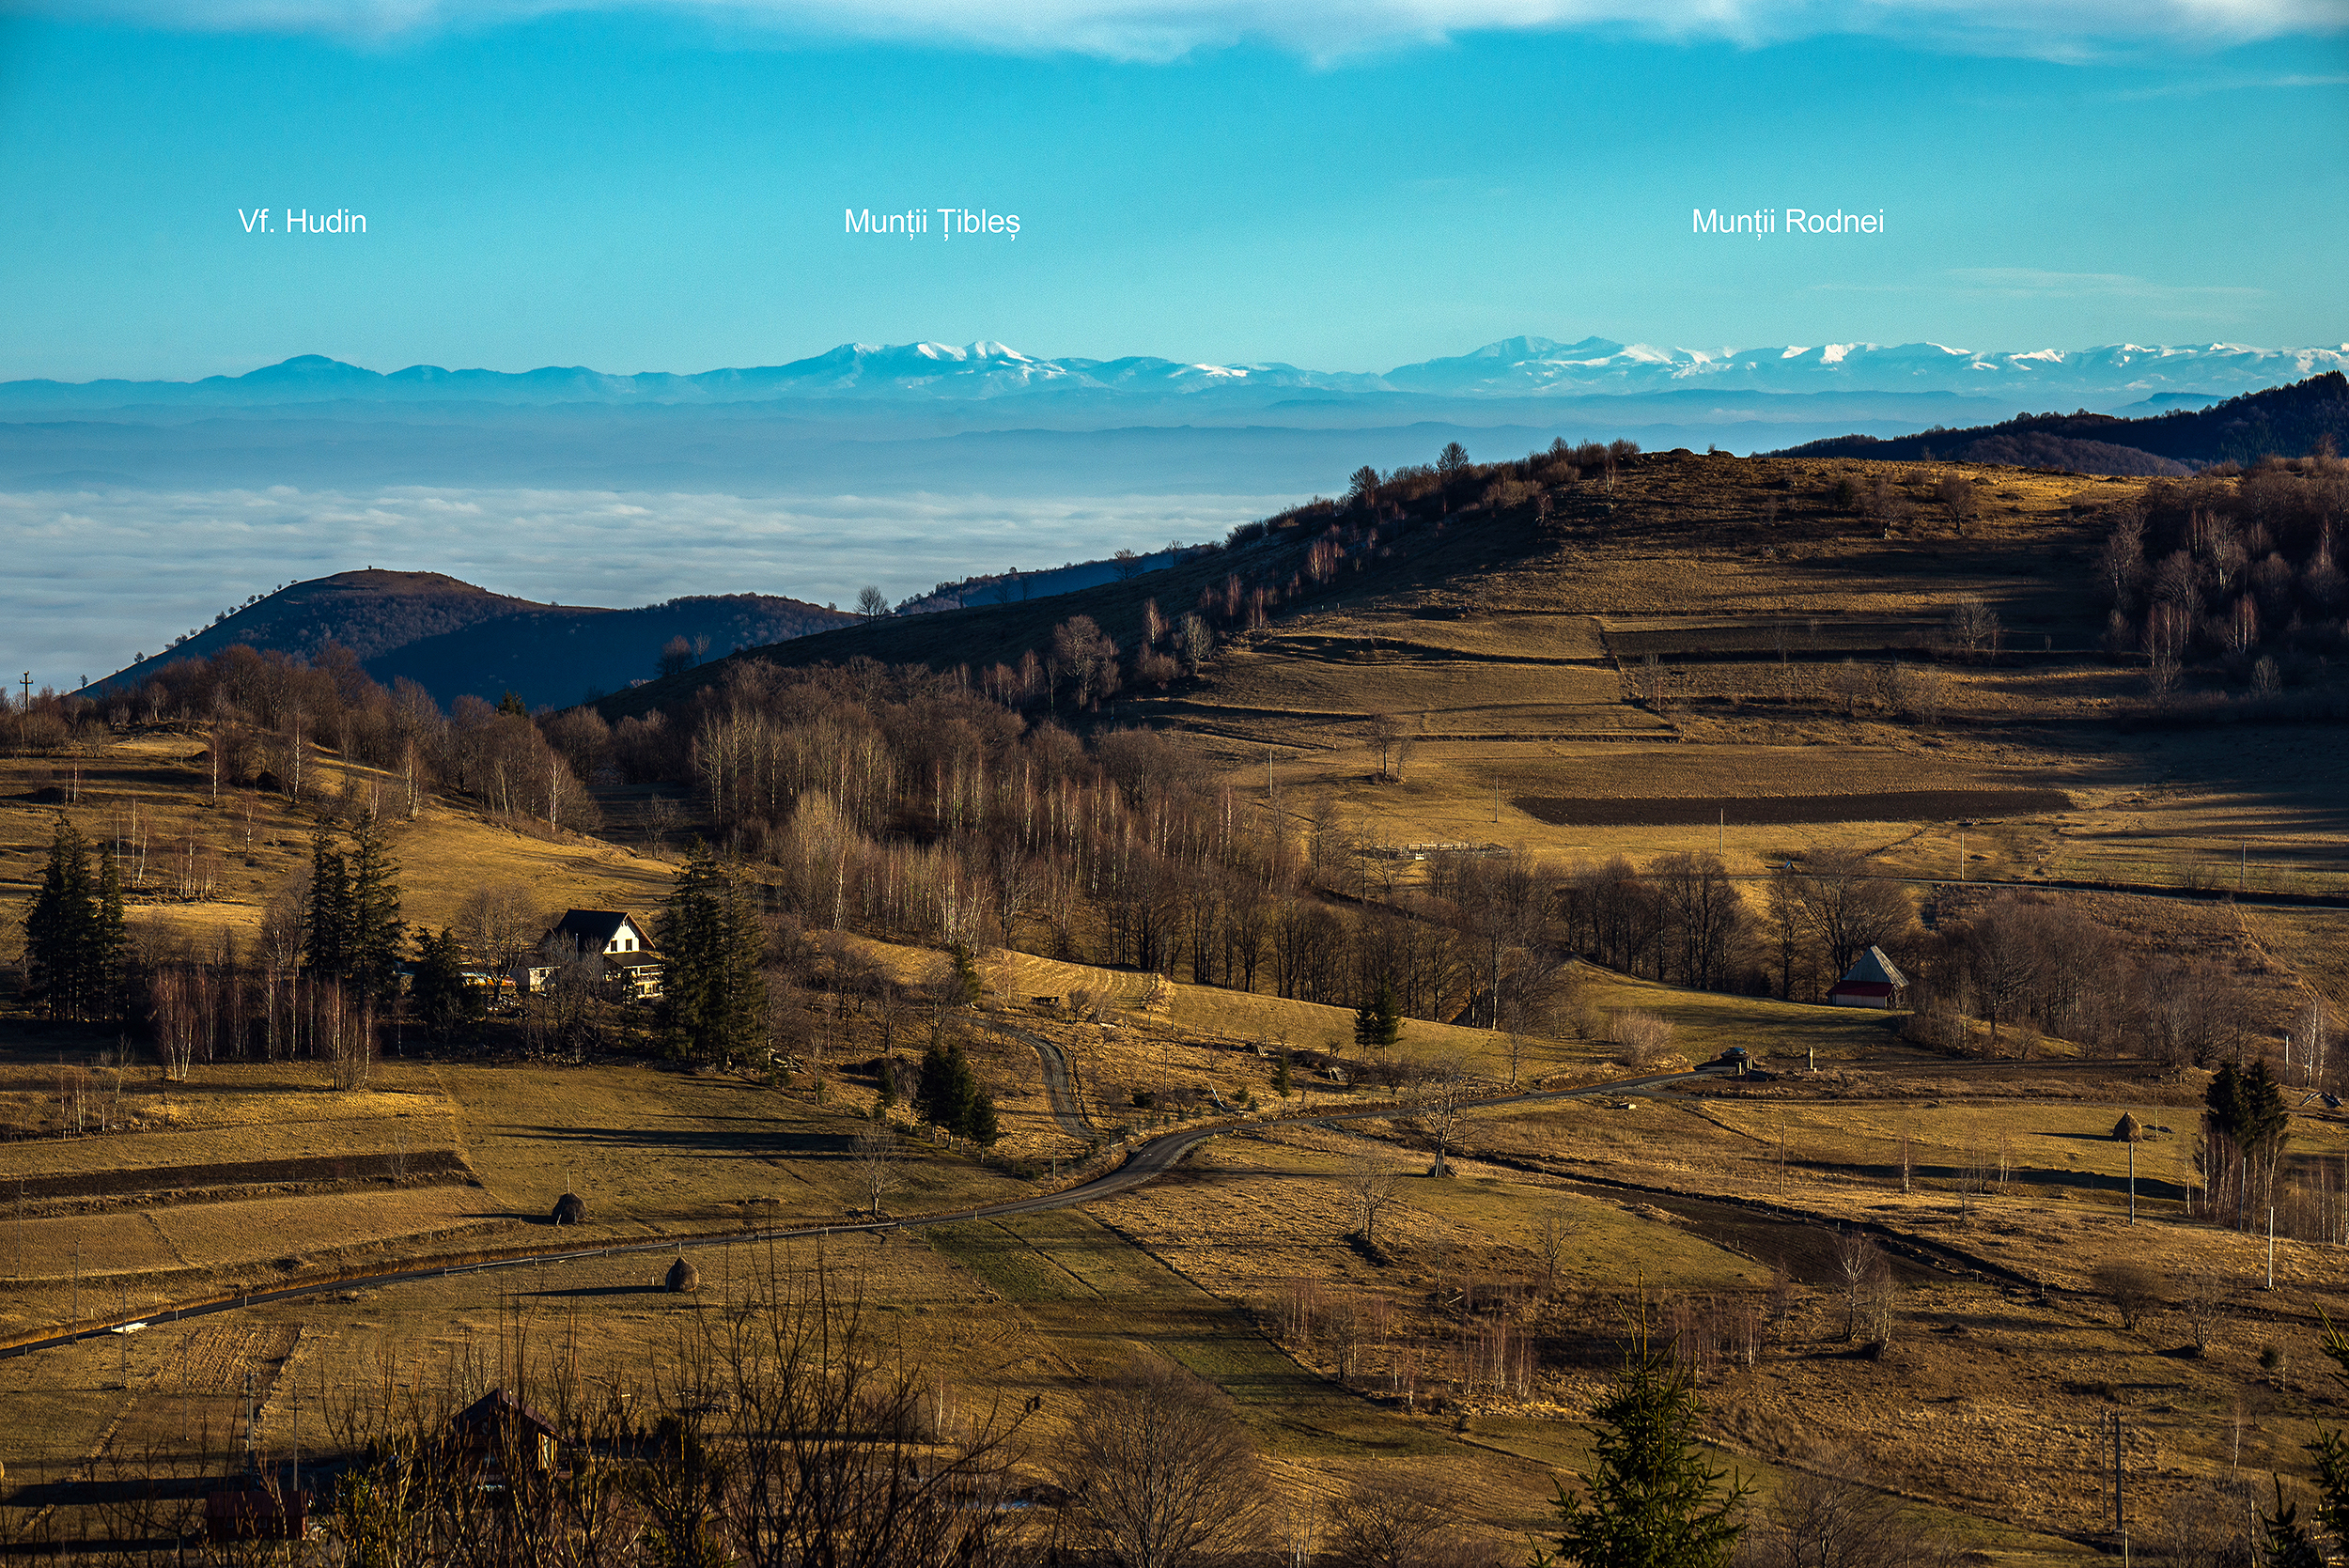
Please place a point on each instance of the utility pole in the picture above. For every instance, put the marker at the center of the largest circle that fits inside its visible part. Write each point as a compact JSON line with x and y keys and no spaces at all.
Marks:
{"x":2132,"y":1181}
{"x":2117,"y":1528}
{"x":28,"y":690}
{"x":2271,"y":1247}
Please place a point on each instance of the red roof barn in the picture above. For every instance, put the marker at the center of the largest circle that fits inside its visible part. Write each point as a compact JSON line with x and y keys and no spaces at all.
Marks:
{"x":1871,"y":981}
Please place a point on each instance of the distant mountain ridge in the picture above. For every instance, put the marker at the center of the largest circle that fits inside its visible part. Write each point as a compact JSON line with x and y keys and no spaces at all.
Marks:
{"x":454,"y":640}
{"x":2284,"y":421}
{"x":1516,"y":367}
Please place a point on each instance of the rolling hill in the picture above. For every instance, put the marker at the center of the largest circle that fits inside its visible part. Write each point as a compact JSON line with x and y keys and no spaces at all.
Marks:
{"x":456,"y":640}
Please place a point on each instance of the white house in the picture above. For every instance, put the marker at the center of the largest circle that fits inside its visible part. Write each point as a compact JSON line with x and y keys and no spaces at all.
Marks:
{"x":611,"y":936}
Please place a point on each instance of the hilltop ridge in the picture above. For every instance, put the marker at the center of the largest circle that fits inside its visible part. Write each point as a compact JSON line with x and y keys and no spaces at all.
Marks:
{"x":455,"y":639}
{"x":2284,"y":421}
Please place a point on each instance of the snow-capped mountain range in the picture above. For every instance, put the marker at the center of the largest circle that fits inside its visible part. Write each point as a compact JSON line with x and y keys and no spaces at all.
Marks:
{"x":1512,"y":368}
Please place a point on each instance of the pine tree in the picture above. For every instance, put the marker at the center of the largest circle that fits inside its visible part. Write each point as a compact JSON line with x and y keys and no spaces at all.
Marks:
{"x":62,"y":941}
{"x":112,"y":938}
{"x":1378,"y":1023}
{"x":1653,"y":1502}
{"x":326,"y":935}
{"x":966,"y":987}
{"x":373,"y":932}
{"x":1281,"y":1074}
{"x":512,"y":704}
{"x":978,"y":1118}
{"x":445,"y":1000}
{"x":712,"y":942}
{"x":942,"y":1097}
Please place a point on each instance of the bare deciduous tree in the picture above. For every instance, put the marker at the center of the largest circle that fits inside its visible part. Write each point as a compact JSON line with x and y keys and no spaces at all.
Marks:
{"x":499,"y":925}
{"x":872,"y":1160}
{"x":1441,"y":1094}
{"x":1550,"y":1233}
{"x":1973,"y":626}
{"x":1862,"y":1270}
{"x":1372,"y":1184}
{"x":1163,"y":1474}
{"x":2202,"y":1297}
{"x":1834,"y":1520}
{"x":1386,"y":1525}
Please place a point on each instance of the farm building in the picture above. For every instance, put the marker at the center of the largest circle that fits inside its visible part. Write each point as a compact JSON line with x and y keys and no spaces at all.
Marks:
{"x":497,"y":1431}
{"x":609,"y":938}
{"x":1871,"y":981}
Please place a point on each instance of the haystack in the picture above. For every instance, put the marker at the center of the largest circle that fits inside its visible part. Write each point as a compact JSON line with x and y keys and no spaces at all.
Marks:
{"x":682,"y":1276}
{"x":2128,"y":1130}
{"x":571,"y":1209}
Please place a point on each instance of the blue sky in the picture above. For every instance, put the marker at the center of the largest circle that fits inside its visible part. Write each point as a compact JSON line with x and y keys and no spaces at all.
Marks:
{"x":652,"y":189}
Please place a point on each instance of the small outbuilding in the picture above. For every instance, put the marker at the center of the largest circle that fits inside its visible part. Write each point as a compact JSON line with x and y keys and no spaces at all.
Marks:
{"x":499,"y":1429}
{"x":1871,"y":981}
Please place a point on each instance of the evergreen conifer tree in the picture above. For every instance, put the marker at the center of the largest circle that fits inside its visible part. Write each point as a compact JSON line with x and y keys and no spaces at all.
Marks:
{"x":326,"y":926}
{"x":978,"y":1118}
{"x":1652,"y":1502}
{"x":943,"y":1098}
{"x":113,"y":940}
{"x":62,"y":939}
{"x":1378,"y":1023}
{"x":966,"y":987}
{"x":373,"y":932}
{"x":710,"y":940}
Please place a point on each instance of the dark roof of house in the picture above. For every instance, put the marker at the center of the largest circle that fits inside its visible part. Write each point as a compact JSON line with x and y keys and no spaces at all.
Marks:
{"x":497,"y":1409}
{"x":1872,"y":968}
{"x":590,"y":929}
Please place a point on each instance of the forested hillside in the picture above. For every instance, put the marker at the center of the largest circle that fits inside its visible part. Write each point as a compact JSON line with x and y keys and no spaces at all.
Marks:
{"x":455,"y":639}
{"x":2286,"y":422}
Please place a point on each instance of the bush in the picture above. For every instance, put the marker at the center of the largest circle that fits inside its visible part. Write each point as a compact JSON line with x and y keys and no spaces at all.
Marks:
{"x":2132,"y":1288}
{"x":1644,"y":1035}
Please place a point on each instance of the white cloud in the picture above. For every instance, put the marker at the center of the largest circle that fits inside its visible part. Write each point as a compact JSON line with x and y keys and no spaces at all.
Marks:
{"x":1325,"y":29}
{"x":96,"y":576}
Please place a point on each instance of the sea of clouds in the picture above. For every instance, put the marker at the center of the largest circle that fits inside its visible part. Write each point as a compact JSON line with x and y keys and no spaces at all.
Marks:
{"x":95,"y":575}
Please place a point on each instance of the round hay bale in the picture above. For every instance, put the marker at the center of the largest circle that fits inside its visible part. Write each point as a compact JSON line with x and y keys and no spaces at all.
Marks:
{"x":571,"y":1209}
{"x":2128,"y":1130}
{"x":682,"y":1276}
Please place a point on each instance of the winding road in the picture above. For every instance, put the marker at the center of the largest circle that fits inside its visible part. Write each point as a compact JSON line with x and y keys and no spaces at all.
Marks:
{"x":1152,"y":1160}
{"x":1059,"y":1085}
